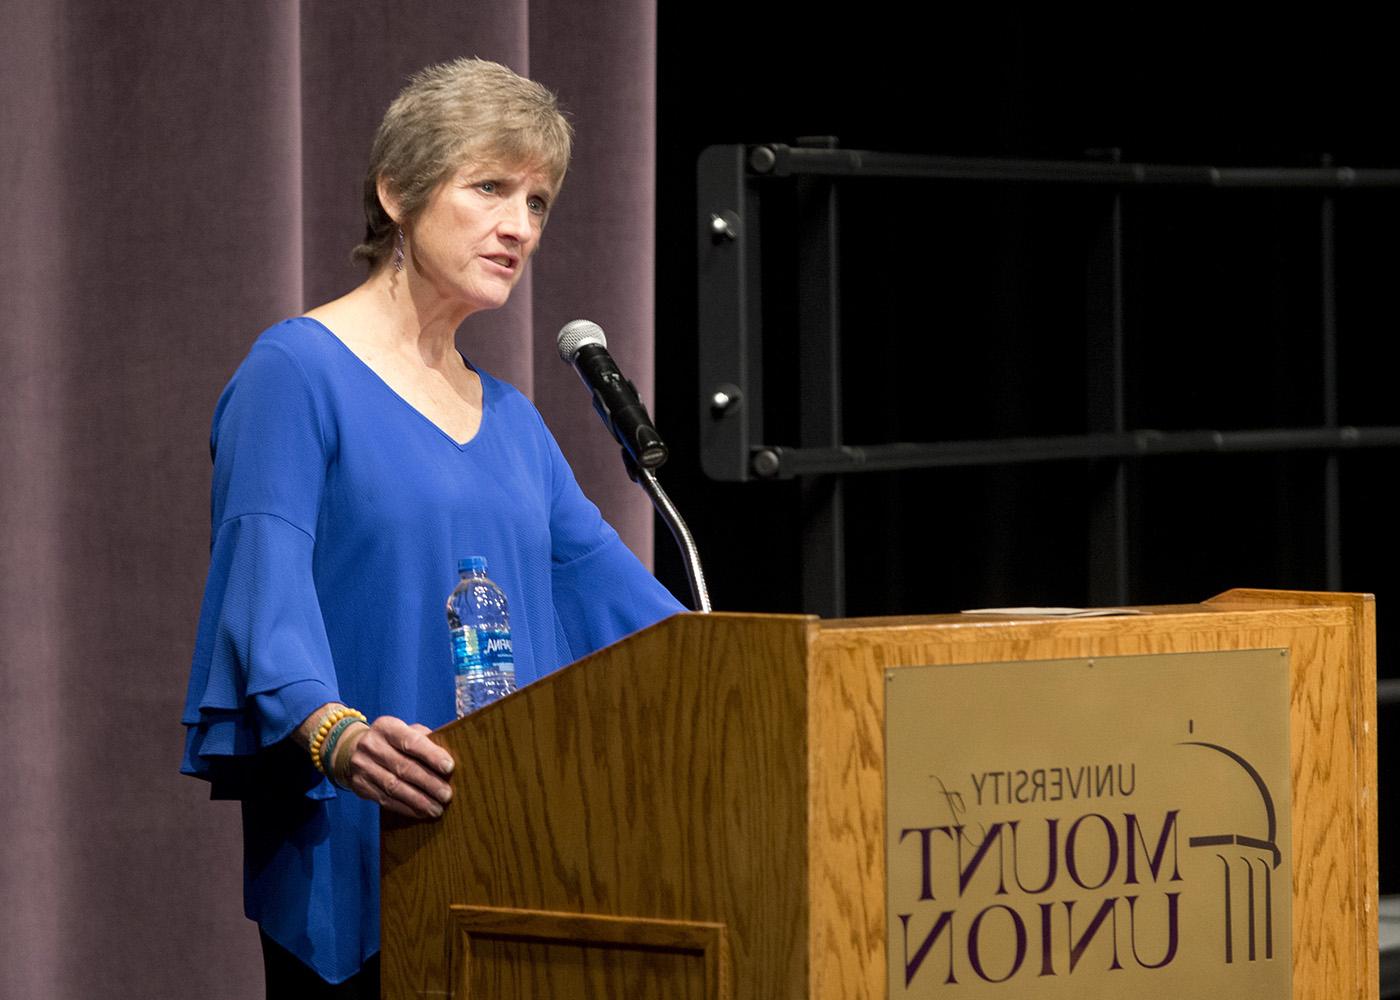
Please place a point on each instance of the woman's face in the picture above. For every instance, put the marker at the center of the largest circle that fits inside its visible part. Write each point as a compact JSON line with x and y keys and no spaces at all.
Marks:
{"x":471,"y":241}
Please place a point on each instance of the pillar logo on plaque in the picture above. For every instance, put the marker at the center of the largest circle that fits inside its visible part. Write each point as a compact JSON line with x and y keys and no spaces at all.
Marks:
{"x":1115,"y":826}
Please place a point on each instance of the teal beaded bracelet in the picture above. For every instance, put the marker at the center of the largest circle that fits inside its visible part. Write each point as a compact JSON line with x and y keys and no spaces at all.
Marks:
{"x":328,"y":747}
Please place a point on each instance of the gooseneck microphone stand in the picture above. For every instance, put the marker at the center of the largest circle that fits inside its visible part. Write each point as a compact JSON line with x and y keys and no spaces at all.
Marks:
{"x":690,"y":555}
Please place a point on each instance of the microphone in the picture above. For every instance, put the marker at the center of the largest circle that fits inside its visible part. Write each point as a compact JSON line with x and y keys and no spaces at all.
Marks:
{"x":582,"y":344}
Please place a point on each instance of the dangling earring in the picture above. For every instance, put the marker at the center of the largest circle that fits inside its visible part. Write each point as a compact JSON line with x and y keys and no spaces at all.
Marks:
{"x":398,"y":251}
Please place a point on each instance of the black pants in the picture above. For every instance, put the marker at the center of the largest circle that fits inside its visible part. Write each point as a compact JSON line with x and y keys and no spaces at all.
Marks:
{"x":289,"y":978}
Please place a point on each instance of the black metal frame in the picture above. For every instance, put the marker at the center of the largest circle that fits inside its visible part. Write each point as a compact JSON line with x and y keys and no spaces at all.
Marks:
{"x":731,"y":180}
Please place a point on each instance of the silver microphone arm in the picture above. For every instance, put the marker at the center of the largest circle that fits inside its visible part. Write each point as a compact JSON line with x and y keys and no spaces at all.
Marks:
{"x":646,"y":479}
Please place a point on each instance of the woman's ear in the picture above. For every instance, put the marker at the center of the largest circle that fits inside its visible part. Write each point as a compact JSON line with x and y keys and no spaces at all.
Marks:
{"x":388,"y":198}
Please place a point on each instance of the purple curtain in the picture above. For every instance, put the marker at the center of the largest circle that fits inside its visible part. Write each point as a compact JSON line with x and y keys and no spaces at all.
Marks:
{"x":177,"y":176}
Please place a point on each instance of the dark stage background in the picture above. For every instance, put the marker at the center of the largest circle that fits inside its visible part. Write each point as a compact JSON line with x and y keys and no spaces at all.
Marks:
{"x":964,"y":306}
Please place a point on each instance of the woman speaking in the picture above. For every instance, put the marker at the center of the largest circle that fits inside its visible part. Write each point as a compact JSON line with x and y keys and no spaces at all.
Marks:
{"x":357,"y":454}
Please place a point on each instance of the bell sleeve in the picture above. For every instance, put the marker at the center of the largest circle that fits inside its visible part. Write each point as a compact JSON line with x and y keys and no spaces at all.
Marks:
{"x":601,"y":590}
{"x":262,"y":662}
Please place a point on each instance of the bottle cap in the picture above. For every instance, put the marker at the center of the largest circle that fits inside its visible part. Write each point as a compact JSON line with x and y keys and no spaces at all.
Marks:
{"x":472,"y":564}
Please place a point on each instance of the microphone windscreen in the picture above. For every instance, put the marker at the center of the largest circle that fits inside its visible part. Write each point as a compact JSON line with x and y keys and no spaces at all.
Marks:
{"x":579,"y":333}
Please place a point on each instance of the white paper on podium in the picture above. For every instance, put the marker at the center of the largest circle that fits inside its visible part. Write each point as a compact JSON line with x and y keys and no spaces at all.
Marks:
{"x":1056,"y":612}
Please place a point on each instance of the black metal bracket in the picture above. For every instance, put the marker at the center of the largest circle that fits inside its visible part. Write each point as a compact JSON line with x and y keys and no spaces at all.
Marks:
{"x":730,"y":180}
{"x":786,"y":463}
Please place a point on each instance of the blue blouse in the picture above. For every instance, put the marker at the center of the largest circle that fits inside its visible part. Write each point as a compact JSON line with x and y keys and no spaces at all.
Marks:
{"x":339,"y":514}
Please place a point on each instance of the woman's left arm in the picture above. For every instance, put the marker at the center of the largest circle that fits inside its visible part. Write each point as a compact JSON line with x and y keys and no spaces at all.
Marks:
{"x":388,"y":761}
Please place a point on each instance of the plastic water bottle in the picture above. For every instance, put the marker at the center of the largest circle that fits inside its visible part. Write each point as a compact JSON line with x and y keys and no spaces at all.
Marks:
{"x":481,"y":652}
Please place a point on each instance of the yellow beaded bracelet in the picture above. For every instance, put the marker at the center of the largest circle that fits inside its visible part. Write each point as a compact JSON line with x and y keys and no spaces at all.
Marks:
{"x":324,"y":729}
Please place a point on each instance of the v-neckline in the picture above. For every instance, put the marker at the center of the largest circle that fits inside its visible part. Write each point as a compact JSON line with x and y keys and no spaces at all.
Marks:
{"x":485,"y":392}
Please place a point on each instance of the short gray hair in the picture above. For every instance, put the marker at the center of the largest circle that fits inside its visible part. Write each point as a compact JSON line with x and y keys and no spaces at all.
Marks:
{"x":451,"y":113}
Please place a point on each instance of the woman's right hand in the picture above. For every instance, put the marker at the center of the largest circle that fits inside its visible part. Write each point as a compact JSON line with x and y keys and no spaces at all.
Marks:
{"x":395,"y":764}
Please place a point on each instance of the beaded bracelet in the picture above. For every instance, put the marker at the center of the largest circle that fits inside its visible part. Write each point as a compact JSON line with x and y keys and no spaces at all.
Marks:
{"x":324,"y":729}
{"x":332,"y":740}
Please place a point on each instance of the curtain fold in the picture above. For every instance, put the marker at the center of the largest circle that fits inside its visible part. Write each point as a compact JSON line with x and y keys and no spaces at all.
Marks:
{"x":595,"y":262}
{"x":177,"y":177}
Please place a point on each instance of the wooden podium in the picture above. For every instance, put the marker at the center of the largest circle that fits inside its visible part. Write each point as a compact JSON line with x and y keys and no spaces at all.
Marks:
{"x":698,"y":811}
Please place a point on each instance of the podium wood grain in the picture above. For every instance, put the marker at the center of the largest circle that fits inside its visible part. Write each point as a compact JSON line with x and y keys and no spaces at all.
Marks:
{"x":726,"y":773}
{"x":661,"y":779}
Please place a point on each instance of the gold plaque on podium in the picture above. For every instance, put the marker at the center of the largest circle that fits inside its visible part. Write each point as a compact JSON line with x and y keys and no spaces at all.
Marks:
{"x":1105,"y":827}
